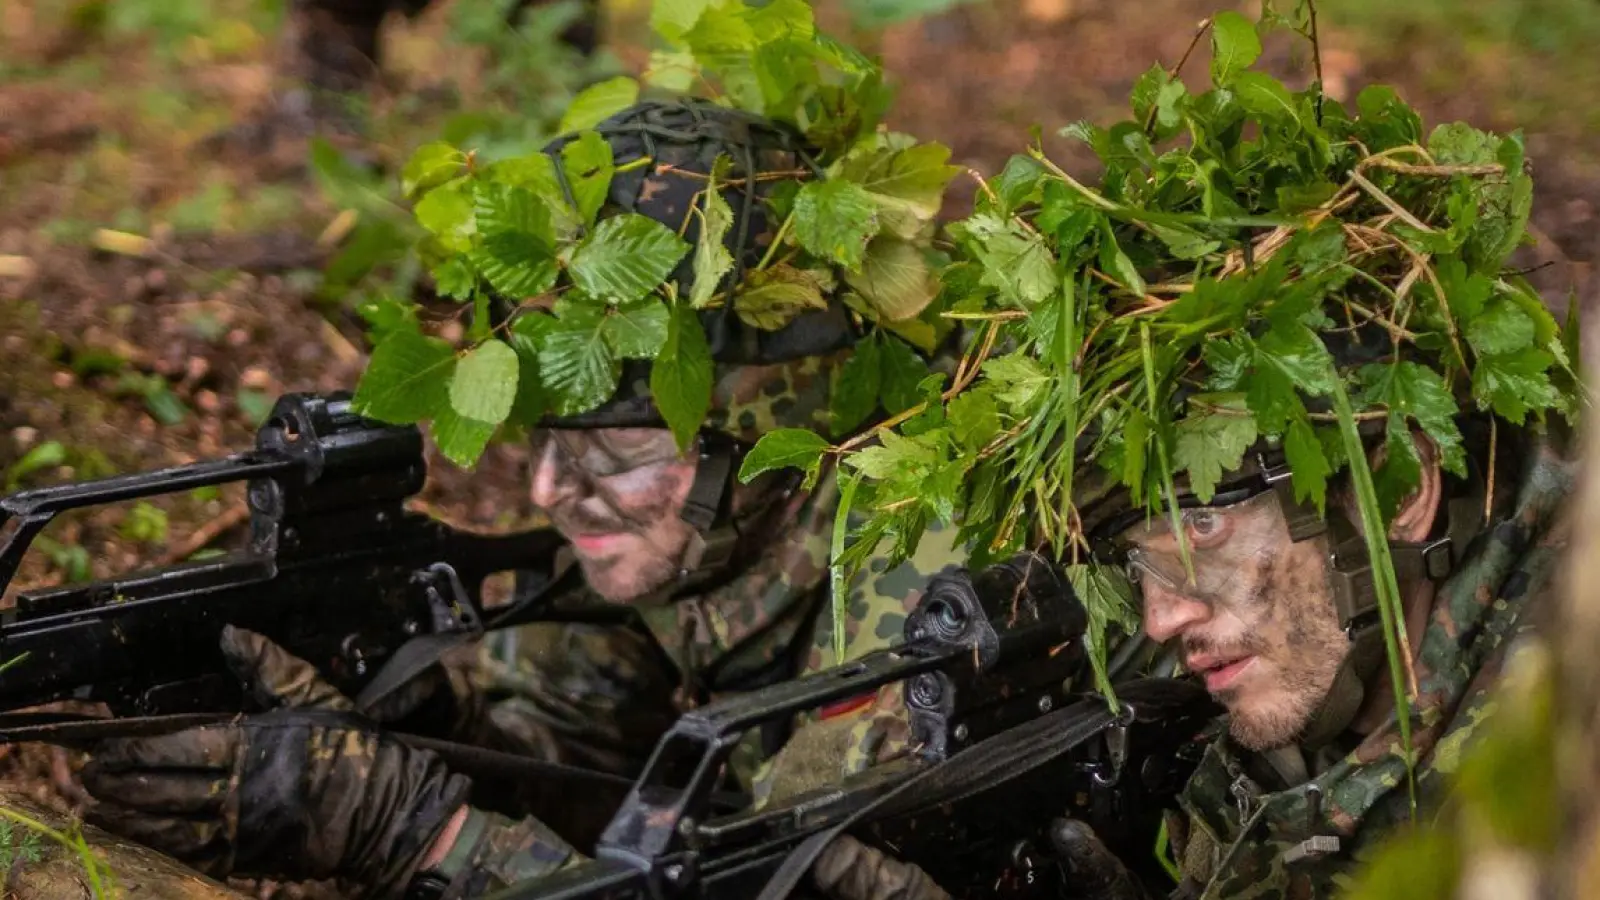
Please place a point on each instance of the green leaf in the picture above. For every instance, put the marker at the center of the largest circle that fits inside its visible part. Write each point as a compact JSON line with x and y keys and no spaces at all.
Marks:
{"x":485,"y":383}
{"x":1299,"y":354}
{"x":903,"y":371}
{"x":446,"y":212}
{"x":431,"y":165}
{"x":1017,"y":381}
{"x":517,"y":253}
{"x":637,"y":329}
{"x":526,"y":334}
{"x":1502,"y":328}
{"x":1015,"y":261}
{"x":974,"y":418}
{"x":1116,"y":263}
{"x":1184,"y":242}
{"x":576,"y":364}
{"x":598,"y":102}
{"x":1210,"y":444}
{"x":47,"y":455}
{"x":784,"y":448}
{"x":896,"y":458}
{"x":906,"y":184}
{"x":627,"y":257}
{"x":856,"y":385}
{"x":771,"y":298}
{"x":406,"y":381}
{"x":1018,"y":183}
{"x":1411,"y":390}
{"x":1234,"y":46}
{"x":1515,"y":385}
{"x":460,"y":439}
{"x":835,"y":220}
{"x":895,"y":279}
{"x":1307,"y":463}
{"x":681,"y":376}
{"x":589,"y":167}
{"x":1401,"y":469}
{"x":1265,"y":96}
{"x":455,"y":279}
{"x":672,"y":19}
{"x":1107,"y":598}
{"x":712,"y":261}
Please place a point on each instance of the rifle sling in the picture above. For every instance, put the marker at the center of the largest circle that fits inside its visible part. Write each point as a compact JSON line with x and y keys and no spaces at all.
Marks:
{"x":976,"y":769}
{"x":73,"y":730}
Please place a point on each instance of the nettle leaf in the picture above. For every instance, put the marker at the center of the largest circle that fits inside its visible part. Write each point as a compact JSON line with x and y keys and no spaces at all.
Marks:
{"x":1019,"y":183}
{"x":1502,"y":327}
{"x":454,"y":278}
{"x":1235,"y":46}
{"x":1184,"y":242}
{"x":856,"y":385}
{"x":407,"y":379}
{"x":1308,"y":464}
{"x":1211,"y":443}
{"x":1401,"y":469}
{"x":1063,"y":214}
{"x":446,"y":212}
{"x":784,"y":448}
{"x":431,"y":165}
{"x":460,"y":439}
{"x":1300,"y":355}
{"x":636,"y":329}
{"x":895,"y":279}
{"x":1015,"y":261}
{"x":771,"y":298}
{"x":1411,"y":390}
{"x":485,"y":383}
{"x":903,"y":372}
{"x":897,"y":458}
{"x":712,"y":261}
{"x":835,"y":220}
{"x":1515,"y":384}
{"x":576,"y":364}
{"x":1016,"y":380}
{"x":906,"y":184}
{"x":974,"y":418}
{"x":626,"y":257}
{"x":589,"y":166}
{"x":598,"y":102}
{"x":681,"y":376}
{"x":1115,"y":262}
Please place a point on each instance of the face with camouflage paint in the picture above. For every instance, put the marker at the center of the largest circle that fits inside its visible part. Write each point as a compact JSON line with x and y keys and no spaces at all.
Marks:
{"x":1254,"y":610}
{"x":615,"y":494}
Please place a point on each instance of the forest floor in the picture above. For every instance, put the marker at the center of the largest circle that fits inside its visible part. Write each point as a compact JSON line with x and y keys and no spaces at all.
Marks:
{"x":165,"y":273}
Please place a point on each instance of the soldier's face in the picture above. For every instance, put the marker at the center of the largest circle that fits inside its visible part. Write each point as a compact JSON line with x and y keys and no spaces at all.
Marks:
{"x":615,"y":494}
{"x":1256,"y":619}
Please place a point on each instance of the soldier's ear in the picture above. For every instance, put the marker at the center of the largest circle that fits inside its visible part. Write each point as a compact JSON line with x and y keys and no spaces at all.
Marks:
{"x":1413,"y":521}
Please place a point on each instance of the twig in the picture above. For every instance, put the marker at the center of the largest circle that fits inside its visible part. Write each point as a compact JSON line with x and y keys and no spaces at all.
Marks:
{"x":1431,"y":171}
{"x":1488,"y":494}
{"x":1316,"y":57}
{"x":1172,"y":73}
{"x":205,"y":534}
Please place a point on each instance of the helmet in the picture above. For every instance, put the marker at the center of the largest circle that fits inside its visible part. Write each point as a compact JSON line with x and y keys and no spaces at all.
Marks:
{"x":763,"y":380}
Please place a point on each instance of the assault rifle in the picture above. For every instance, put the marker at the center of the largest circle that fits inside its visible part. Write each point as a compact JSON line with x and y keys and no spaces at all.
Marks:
{"x":336,"y":570}
{"x":1003,"y":747}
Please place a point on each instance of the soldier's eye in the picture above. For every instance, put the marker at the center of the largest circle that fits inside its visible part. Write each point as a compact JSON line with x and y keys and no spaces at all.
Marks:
{"x":1205,"y":526}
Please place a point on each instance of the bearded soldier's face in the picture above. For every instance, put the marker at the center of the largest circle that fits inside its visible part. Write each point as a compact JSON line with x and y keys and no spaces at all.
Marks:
{"x":615,"y":494}
{"x":1253,"y":613}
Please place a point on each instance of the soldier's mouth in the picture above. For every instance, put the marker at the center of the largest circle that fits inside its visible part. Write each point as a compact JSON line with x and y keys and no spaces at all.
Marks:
{"x":597,"y":544}
{"x":1219,"y":673}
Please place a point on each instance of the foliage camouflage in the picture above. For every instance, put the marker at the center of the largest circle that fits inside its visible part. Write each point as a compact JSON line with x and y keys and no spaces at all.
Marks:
{"x":1194,"y":304}
{"x":594,"y":280}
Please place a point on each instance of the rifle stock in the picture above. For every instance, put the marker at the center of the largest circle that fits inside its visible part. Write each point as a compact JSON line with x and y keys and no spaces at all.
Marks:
{"x":1002,"y":748}
{"x":336,"y":570}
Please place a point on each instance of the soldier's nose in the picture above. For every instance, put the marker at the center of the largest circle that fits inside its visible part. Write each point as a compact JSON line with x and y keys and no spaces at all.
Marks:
{"x":1168,"y":613}
{"x":549,"y":481}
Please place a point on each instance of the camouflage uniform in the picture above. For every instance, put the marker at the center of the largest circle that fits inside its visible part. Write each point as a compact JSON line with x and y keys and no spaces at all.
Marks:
{"x":1242,"y":827}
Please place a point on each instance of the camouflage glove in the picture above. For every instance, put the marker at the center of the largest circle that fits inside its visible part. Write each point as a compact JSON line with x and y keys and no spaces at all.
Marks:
{"x":1093,"y":872}
{"x":304,"y":792}
{"x":851,"y":870}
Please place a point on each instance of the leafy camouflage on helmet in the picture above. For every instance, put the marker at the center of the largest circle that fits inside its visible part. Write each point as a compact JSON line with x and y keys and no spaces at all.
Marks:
{"x":1243,"y":841}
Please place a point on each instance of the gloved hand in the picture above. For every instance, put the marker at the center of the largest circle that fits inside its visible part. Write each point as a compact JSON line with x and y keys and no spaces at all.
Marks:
{"x":1093,"y":872}
{"x":305,"y":792}
{"x":851,"y":870}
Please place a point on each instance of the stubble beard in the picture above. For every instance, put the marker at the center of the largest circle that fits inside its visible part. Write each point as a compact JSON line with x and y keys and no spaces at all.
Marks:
{"x":629,"y":576}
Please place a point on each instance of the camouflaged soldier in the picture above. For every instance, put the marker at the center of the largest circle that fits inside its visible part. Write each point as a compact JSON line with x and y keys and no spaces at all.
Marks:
{"x":719,"y":588}
{"x":1305,"y":775}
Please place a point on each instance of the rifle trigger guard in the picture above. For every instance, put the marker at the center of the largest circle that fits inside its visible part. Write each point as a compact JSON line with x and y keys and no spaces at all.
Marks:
{"x":453,"y":611}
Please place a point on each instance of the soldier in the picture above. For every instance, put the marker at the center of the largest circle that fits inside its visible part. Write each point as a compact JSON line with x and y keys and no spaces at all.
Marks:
{"x":724,"y":587}
{"x":1305,"y":774}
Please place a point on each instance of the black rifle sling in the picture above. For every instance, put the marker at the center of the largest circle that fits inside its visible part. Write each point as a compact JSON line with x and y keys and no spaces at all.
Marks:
{"x":978,"y":768}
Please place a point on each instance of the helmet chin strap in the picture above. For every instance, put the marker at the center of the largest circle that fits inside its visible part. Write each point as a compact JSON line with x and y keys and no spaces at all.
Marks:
{"x":709,"y":509}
